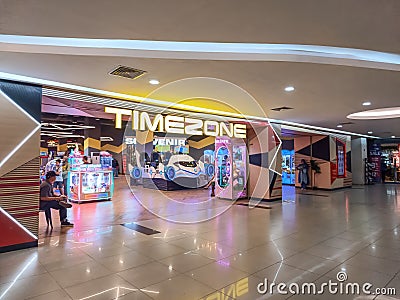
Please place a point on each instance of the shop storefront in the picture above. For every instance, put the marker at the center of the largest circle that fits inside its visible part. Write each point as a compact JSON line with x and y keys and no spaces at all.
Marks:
{"x":384,"y":161}
{"x":168,"y":152}
{"x":222,"y":158}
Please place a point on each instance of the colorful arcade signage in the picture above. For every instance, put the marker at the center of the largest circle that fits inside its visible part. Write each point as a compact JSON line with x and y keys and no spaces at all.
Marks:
{"x":177,"y":124}
{"x":161,"y":141}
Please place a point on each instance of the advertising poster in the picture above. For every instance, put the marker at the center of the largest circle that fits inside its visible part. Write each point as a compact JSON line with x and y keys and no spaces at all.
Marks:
{"x":375,"y":161}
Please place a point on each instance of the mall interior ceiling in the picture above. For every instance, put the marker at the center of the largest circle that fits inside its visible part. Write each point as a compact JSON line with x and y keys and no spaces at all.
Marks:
{"x":323,"y":94}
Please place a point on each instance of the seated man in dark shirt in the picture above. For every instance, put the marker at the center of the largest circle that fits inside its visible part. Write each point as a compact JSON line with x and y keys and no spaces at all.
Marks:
{"x":49,"y":200}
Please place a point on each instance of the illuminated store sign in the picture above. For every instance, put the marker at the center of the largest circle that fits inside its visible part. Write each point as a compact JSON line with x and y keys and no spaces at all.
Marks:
{"x":176,"y":124}
{"x":159,"y":141}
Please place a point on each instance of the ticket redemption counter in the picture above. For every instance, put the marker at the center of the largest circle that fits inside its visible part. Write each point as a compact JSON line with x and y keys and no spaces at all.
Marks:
{"x":90,"y":182}
{"x":230,"y":168}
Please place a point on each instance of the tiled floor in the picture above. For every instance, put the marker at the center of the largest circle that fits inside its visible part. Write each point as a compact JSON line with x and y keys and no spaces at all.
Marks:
{"x":307,"y":239}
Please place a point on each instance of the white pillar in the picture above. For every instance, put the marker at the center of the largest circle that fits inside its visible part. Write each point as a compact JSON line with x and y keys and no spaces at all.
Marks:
{"x":358,"y":156}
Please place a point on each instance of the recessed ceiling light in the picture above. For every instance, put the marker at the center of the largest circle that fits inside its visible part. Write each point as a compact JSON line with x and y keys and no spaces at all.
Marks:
{"x":393,"y":136}
{"x":366,"y":103}
{"x":97,"y":119}
{"x":380,"y":113}
{"x":289,"y":89}
{"x":339,"y":126}
{"x":370,"y":132}
{"x":154,"y":81}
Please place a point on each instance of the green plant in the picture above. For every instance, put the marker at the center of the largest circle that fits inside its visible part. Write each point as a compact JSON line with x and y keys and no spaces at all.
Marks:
{"x":315,"y":166}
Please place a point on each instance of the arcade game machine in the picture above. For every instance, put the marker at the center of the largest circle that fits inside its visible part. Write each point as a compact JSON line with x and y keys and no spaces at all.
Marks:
{"x":288,"y":168}
{"x":90,"y":182}
{"x":231,"y":168}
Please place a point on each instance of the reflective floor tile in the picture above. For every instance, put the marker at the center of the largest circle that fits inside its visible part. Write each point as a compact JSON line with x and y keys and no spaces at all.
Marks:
{"x":189,"y":243}
{"x":217,"y":275}
{"x":148,"y":274}
{"x":331,"y":253}
{"x":251,"y":261}
{"x":135,"y":295}
{"x":29,"y":266}
{"x":104,"y":288}
{"x":344,"y":244}
{"x":124,"y":261}
{"x":80,"y":273}
{"x":385,"y":266}
{"x":214,"y":250}
{"x":281,"y":272}
{"x":106,"y":250}
{"x":181,"y":287}
{"x":29,"y":287}
{"x":56,"y":295}
{"x":187,"y":261}
{"x":160,"y":251}
{"x":382,"y":252}
{"x":65,"y":261}
{"x":311,"y":263}
{"x":294,"y":244}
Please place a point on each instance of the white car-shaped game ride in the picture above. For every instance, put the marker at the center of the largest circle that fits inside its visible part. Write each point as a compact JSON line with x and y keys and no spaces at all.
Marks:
{"x":184,"y":170}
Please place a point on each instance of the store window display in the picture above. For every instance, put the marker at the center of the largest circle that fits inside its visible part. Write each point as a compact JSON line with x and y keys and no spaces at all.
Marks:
{"x":390,"y":163}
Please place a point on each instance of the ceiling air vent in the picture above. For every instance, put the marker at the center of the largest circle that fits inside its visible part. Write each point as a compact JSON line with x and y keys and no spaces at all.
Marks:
{"x":281,"y":108}
{"x":127,"y":72}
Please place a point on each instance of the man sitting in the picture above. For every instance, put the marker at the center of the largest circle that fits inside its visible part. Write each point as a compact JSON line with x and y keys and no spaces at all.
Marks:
{"x":48,"y":200}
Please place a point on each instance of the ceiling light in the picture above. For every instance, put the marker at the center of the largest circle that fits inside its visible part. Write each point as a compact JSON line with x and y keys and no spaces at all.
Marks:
{"x":370,"y":132}
{"x":154,"y":81}
{"x":393,"y":136}
{"x":289,"y":89}
{"x":339,"y":126}
{"x":366,"y":103}
{"x":380,"y":113}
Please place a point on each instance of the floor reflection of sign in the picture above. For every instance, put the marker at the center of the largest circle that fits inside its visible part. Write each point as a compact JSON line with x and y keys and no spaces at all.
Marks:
{"x":235,"y":290}
{"x":124,"y":164}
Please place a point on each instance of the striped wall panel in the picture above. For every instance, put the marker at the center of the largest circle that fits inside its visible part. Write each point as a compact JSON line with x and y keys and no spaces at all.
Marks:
{"x":19,"y":194}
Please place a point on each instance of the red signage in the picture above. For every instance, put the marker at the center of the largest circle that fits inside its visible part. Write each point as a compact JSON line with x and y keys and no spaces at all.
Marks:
{"x":333,"y":172}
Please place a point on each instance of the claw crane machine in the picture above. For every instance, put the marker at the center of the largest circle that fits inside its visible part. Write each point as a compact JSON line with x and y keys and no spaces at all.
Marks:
{"x":230,"y":168}
{"x":90,"y":182}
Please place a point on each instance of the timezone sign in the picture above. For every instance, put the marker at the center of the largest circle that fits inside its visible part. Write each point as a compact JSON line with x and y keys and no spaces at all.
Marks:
{"x":177,"y":124}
